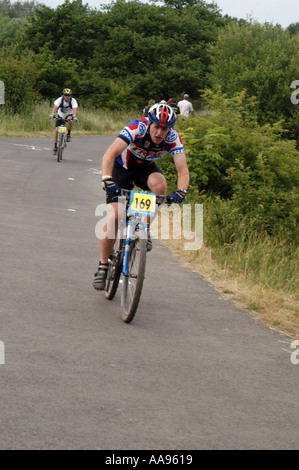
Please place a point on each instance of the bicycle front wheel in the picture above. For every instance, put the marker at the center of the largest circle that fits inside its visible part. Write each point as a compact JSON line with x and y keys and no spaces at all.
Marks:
{"x":114,"y":270}
{"x":60,"y":147}
{"x":133,"y":282}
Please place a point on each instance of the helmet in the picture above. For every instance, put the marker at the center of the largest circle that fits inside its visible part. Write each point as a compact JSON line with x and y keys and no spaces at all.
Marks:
{"x":67,"y":91}
{"x":162,"y":115}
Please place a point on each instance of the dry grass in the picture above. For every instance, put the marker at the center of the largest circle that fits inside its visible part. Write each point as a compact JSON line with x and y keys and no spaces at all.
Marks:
{"x":274,"y":308}
{"x":35,"y":122}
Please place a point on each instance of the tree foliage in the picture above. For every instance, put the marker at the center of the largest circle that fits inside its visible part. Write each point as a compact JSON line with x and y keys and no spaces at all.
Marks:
{"x":293,"y":28}
{"x":20,"y":75}
{"x":17,"y":9}
{"x":11,"y":30}
{"x":123,"y":53}
{"x":147,"y":49}
{"x":252,"y":171}
{"x":263,"y":60}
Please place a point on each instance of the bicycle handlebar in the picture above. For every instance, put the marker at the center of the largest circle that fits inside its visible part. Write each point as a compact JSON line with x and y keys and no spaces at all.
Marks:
{"x":160,"y":198}
{"x":58,"y":118}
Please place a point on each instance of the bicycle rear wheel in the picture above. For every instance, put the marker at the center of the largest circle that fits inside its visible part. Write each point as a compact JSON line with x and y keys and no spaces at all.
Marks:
{"x":114,"y":270}
{"x":133,"y":282}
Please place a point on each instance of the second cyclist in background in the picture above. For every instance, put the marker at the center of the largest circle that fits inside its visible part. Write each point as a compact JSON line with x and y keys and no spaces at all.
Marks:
{"x":67,"y":108}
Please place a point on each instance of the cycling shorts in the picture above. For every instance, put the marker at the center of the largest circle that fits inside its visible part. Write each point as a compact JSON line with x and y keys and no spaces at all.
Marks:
{"x":136,"y":175}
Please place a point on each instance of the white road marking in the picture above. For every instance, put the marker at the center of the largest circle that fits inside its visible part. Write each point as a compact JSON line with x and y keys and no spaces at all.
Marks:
{"x":95,"y":171}
{"x":30,"y":147}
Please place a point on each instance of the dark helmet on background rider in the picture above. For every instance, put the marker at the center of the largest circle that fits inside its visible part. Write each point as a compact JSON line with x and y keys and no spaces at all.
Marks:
{"x":162,"y":115}
{"x":67,"y":91}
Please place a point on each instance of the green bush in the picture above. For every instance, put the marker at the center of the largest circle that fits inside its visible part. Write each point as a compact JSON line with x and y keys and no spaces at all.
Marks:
{"x":262,"y":60}
{"x":247,"y":174}
{"x":20,"y":75}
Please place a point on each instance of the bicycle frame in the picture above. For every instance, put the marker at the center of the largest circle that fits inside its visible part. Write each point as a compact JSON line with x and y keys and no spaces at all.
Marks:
{"x":133,"y":222}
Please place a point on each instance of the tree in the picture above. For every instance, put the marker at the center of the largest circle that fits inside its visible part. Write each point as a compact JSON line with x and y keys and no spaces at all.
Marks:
{"x":263,"y":60}
{"x":69,"y":31}
{"x":147,"y":49}
{"x":20,"y":75}
{"x":17,"y":9}
{"x":11,"y":30}
{"x":293,"y":28}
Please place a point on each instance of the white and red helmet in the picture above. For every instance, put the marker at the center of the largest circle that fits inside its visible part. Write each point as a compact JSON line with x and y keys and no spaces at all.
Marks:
{"x":162,"y":115}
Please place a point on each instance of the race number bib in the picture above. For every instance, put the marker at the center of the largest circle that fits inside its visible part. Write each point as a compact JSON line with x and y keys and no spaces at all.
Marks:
{"x":142,"y":203}
{"x":62,"y":129}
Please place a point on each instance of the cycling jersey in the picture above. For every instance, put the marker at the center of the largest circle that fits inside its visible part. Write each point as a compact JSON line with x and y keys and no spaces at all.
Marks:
{"x":65,"y":108}
{"x":141,"y":146}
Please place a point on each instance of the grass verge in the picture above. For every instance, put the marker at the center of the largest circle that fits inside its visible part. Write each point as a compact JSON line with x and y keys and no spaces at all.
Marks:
{"x":35,"y":122}
{"x":277,"y":307}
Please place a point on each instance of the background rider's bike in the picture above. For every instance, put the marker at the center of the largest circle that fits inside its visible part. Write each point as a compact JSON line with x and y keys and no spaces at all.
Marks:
{"x":126,"y":263}
{"x":61,"y":140}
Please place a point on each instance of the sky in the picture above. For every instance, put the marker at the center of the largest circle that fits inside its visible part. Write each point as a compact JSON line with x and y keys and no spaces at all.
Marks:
{"x":283,"y":12}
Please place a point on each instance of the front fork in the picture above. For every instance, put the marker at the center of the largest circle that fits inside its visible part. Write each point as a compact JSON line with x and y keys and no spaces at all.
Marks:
{"x":132,"y":226}
{"x":61,"y":140}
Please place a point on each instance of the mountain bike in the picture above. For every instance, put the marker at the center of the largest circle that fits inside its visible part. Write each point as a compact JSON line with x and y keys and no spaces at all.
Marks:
{"x":61,"y":141}
{"x":128,"y":257}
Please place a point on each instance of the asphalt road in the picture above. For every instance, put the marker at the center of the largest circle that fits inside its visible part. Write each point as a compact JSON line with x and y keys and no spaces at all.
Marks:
{"x":192,"y":371}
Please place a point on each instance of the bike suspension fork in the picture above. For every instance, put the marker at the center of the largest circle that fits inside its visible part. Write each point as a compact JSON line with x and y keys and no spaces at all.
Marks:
{"x":127,"y":248}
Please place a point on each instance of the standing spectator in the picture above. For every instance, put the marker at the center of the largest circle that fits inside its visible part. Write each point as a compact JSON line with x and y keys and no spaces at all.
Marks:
{"x":173,"y":104}
{"x":185,"y":106}
{"x":148,"y":107}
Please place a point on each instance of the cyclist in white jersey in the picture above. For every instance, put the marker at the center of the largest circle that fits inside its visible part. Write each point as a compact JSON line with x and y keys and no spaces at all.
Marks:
{"x":67,"y":108}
